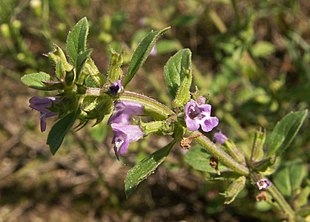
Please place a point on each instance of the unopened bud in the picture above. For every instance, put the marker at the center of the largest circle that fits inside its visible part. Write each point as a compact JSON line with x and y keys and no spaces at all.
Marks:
{"x":234,"y":189}
{"x":115,"y":72}
{"x":151,"y":127}
{"x":234,"y":152}
{"x":257,"y":153}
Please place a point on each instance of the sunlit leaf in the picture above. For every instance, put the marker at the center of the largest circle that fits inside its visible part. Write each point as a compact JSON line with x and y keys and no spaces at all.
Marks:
{"x":176,"y":70}
{"x":76,"y":40}
{"x":141,"y":53}
{"x":36,"y":80}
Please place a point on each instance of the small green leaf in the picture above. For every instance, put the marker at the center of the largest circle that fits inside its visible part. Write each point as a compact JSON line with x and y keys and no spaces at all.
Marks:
{"x":198,"y":158}
{"x":36,"y":80}
{"x":284,"y":132}
{"x":290,"y":176}
{"x":141,"y":53}
{"x":145,"y":168}
{"x":176,"y":69}
{"x":59,"y":130}
{"x":76,"y":40}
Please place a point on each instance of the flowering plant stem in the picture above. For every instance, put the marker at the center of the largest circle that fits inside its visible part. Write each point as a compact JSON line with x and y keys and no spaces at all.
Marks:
{"x":163,"y":111}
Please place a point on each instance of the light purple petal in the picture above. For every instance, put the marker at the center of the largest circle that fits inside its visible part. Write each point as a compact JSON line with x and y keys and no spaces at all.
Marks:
{"x":123,"y":111}
{"x":206,"y":109}
{"x":188,"y":105}
{"x":209,"y":124}
{"x":191,"y":124}
{"x":132,"y":132}
{"x":121,"y":143}
{"x":125,"y":134}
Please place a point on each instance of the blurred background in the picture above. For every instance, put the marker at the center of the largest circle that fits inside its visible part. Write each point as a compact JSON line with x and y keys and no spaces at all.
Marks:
{"x":251,"y":59}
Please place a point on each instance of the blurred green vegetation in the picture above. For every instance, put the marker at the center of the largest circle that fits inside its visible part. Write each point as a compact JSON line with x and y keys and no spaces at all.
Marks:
{"x":251,"y":60}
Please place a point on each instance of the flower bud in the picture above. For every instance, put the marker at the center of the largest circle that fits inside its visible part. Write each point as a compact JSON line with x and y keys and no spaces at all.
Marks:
{"x":115,"y":72}
{"x":234,"y":189}
{"x":151,"y":127}
{"x":257,"y":153}
{"x":234,"y":152}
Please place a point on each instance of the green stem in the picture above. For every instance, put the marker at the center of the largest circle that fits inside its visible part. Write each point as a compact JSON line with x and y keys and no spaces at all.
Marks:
{"x":222,"y":155}
{"x":150,"y":105}
{"x":277,"y":196}
{"x":163,"y":112}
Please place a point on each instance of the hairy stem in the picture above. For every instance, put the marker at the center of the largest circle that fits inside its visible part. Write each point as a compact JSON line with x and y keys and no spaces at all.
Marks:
{"x":150,"y":105}
{"x":163,"y":112}
{"x":222,"y":155}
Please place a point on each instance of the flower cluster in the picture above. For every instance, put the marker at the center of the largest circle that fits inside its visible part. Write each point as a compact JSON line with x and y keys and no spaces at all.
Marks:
{"x":198,"y":114}
{"x":124,"y":131}
{"x":43,"y":105}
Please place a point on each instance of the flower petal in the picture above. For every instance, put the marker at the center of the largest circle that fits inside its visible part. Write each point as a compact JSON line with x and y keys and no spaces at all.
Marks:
{"x":191,"y":124}
{"x":209,"y":123}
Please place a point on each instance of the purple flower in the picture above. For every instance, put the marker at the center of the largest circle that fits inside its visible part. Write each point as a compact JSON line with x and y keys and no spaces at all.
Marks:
{"x":124,"y":131}
{"x":220,"y":137}
{"x":42,"y":105}
{"x":124,"y":134}
{"x":197,"y":115}
{"x":116,"y":87}
{"x":263,"y":184}
{"x":123,"y":111}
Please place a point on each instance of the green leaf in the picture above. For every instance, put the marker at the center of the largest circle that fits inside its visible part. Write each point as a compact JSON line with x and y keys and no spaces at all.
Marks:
{"x":59,"y":130}
{"x":81,"y":59}
{"x":284,"y":132}
{"x":76,"y":40}
{"x":290,"y":176}
{"x":36,"y":80}
{"x":198,"y":158}
{"x":176,"y":69}
{"x":145,"y":168}
{"x":141,"y":53}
